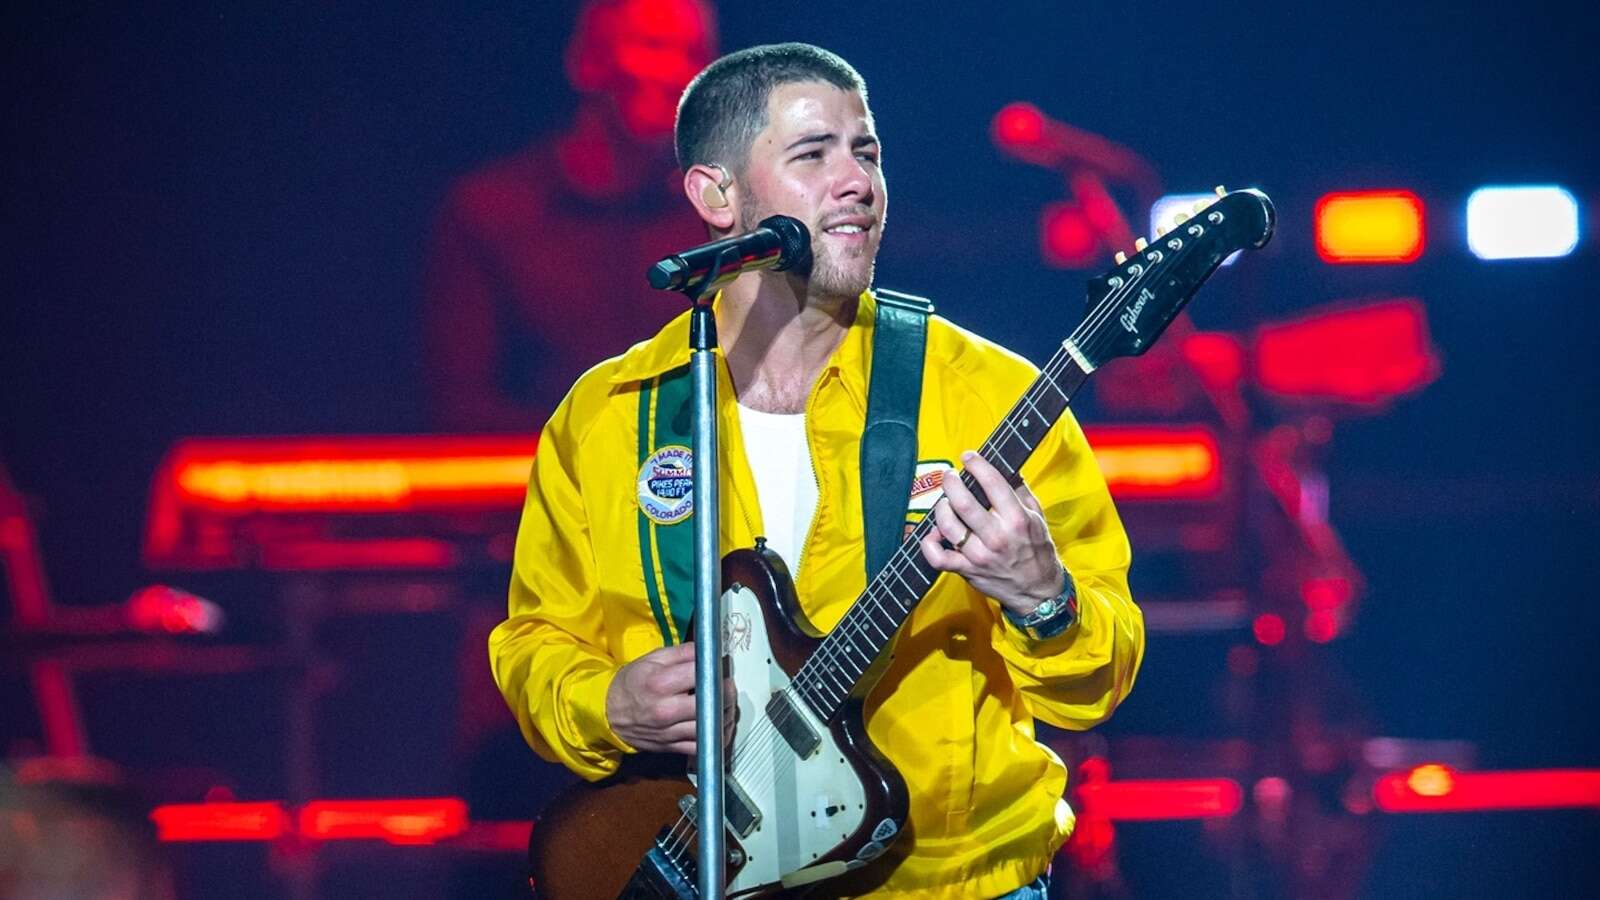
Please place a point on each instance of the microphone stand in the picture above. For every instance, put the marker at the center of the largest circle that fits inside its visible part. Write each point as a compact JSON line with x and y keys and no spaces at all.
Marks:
{"x":707,"y":577}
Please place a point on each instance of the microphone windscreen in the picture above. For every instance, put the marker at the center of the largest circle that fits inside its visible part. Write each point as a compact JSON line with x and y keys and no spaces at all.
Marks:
{"x":668,"y":274}
{"x":796,"y":241}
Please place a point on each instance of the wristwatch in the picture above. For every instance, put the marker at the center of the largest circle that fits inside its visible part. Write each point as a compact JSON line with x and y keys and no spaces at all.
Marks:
{"x":1050,"y":618}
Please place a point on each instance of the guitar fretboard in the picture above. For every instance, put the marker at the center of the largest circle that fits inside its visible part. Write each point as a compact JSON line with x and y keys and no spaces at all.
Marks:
{"x":826,"y":679}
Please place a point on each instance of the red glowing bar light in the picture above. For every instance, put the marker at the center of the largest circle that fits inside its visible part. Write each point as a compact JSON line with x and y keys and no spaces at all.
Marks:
{"x":1160,"y":799}
{"x":220,"y":822}
{"x":1362,"y":355}
{"x":1369,"y":227}
{"x":1156,"y":463}
{"x":1439,"y":788}
{"x":368,"y":474}
{"x":423,"y":821}
{"x":205,"y":482}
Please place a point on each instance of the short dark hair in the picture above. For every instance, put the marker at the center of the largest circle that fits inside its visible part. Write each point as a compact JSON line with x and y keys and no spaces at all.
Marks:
{"x":725,"y":106}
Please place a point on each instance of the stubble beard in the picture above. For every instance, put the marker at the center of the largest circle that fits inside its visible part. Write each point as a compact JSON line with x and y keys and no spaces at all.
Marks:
{"x":827,"y":277}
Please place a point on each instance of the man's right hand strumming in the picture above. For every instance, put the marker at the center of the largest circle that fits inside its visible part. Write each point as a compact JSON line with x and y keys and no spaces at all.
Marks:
{"x":650,"y":703}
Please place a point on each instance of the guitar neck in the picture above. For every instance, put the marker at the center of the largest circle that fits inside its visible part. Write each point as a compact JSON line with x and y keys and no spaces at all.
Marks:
{"x":833,"y":671}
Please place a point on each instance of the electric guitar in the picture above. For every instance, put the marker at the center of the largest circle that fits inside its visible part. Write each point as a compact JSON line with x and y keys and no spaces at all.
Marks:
{"x":808,"y":797}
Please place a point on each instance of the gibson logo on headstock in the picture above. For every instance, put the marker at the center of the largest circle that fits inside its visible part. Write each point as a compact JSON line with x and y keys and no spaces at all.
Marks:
{"x":1130,"y":316}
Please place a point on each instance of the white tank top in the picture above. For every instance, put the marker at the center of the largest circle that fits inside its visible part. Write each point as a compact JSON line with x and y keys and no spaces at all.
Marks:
{"x":786,"y":487}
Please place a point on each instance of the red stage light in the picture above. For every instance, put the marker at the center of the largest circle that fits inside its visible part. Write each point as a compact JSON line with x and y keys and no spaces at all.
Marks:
{"x":1325,"y":593}
{"x":1018,"y":124}
{"x":1165,"y":798}
{"x":386,"y":553}
{"x":500,"y":837}
{"x":1369,"y":227}
{"x":1091,"y":843}
{"x":162,"y":608}
{"x":361,"y":475}
{"x":1269,"y":629}
{"x":1068,"y":236}
{"x":220,"y":821}
{"x":1363,"y":355}
{"x":1438,"y":788}
{"x":1321,"y":626}
{"x":396,"y":821}
{"x":1158,"y":463}
{"x":1218,"y":358}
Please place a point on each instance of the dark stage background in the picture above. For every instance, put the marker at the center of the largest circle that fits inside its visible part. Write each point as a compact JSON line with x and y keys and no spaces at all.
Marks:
{"x":216,"y":217}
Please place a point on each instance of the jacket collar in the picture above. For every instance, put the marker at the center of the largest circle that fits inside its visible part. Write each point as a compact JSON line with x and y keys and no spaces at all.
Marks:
{"x":669,"y":349}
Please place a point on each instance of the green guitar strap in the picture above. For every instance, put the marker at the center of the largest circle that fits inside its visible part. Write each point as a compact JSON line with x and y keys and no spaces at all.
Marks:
{"x":888,"y":461}
{"x":889,"y":442}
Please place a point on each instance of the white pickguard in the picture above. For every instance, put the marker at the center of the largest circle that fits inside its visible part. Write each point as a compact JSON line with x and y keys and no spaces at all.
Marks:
{"x":808,"y":806}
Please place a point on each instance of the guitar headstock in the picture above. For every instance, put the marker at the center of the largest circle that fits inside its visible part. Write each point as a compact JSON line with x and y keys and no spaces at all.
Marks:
{"x":1133,"y":303}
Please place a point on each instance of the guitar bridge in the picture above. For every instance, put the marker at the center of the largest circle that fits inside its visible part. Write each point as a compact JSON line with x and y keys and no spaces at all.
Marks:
{"x":660,"y":875}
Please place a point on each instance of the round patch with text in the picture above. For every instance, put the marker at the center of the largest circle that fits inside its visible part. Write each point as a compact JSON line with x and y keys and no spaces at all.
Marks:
{"x":666,"y":485}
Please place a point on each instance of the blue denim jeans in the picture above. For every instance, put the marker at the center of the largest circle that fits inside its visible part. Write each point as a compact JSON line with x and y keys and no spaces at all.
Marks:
{"x":1036,"y":889}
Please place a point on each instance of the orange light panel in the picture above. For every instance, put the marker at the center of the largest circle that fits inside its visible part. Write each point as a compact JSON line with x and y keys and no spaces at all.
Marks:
{"x":424,"y":821}
{"x":1438,"y":788}
{"x":1158,"y":463}
{"x":1364,"y":355}
{"x":205,"y":486}
{"x":1369,"y":227}
{"x":1156,"y":799}
{"x":371,"y":474}
{"x":220,"y":821}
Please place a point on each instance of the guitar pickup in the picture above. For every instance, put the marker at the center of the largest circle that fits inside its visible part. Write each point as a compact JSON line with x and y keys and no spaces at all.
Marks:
{"x":792,"y":724}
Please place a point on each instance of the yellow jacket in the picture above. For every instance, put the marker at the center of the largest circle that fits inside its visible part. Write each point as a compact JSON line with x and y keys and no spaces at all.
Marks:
{"x":954,"y":711}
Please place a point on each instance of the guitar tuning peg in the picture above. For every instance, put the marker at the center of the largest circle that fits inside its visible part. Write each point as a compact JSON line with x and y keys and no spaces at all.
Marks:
{"x":1221,"y":191}
{"x":1120,"y":257}
{"x":1139,"y":244}
{"x":1199,"y":205}
{"x":1178,"y":220}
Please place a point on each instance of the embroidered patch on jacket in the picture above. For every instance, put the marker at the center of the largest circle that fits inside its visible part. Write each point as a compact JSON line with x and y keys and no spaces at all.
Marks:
{"x":666,"y":485}
{"x":927,"y":485}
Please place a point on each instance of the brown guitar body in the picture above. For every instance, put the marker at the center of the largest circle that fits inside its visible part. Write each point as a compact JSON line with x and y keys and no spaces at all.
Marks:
{"x":593,"y":836}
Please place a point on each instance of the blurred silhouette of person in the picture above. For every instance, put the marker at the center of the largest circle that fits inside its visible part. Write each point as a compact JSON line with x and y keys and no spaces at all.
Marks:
{"x":537,"y":267}
{"x":536,"y":270}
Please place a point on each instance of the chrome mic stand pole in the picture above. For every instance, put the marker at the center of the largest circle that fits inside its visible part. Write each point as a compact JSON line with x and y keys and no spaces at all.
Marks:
{"x":707,"y":580}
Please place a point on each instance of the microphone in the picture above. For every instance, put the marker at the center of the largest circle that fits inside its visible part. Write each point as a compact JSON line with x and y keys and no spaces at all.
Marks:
{"x":780,"y":243}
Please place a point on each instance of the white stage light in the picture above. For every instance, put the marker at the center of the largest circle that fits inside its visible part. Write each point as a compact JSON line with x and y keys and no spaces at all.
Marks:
{"x":1524,"y":222}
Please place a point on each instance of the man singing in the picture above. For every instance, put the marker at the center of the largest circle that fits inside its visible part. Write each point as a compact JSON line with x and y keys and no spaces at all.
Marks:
{"x":1032,"y":618}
